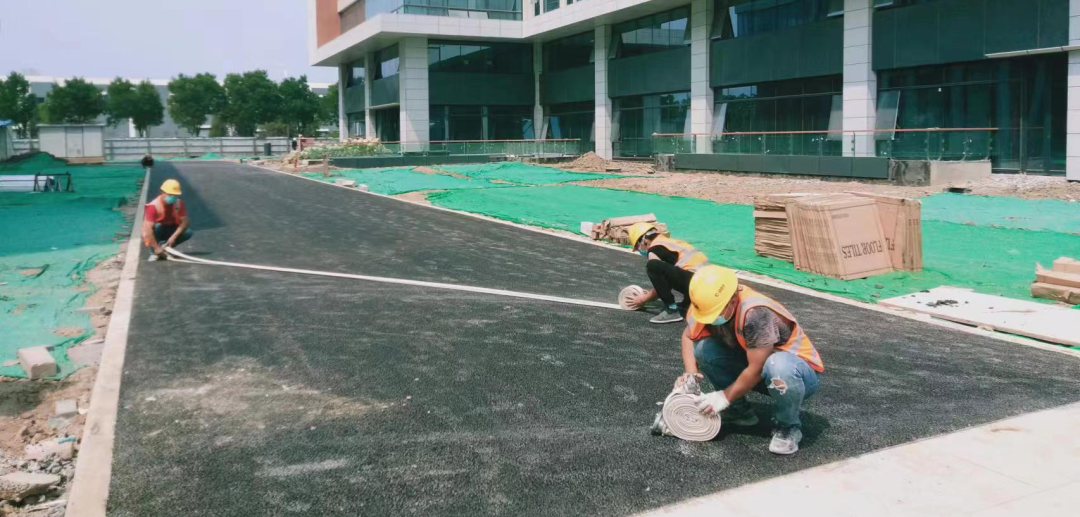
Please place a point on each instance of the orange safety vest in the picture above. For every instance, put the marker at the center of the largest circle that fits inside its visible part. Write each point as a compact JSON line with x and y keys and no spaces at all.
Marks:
{"x":161,"y":207}
{"x":797,"y":344}
{"x":690,"y":258}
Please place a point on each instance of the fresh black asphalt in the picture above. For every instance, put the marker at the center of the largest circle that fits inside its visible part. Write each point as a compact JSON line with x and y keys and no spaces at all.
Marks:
{"x":256,"y":393}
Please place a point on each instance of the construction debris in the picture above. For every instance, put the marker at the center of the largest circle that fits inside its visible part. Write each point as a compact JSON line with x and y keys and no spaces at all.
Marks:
{"x":1061,"y":283}
{"x":615,"y":229}
{"x":37,"y":362}
{"x":17,"y":486}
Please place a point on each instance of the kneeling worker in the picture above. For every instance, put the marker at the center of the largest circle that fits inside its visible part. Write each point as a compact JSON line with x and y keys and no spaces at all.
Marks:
{"x":671,"y":265}
{"x":743,"y":340}
{"x":165,"y":221}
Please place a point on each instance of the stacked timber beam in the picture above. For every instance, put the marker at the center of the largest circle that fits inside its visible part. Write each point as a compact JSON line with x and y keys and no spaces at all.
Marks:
{"x":846,"y":236}
{"x":615,"y":228}
{"x":1062,"y":283}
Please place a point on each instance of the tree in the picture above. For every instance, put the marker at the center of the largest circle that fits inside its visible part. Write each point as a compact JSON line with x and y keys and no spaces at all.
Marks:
{"x":300,"y":107}
{"x":18,"y":104}
{"x":191,"y":99}
{"x":119,"y":98}
{"x":217,"y":128}
{"x":329,"y":102}
{"x":251,"y":99}
{"x":146,"y":108}
{"x":76,"y":102}
{"x":270,"y":129}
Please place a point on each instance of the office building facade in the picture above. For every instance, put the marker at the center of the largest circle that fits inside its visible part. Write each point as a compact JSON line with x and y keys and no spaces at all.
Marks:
{"x":824,"y":77}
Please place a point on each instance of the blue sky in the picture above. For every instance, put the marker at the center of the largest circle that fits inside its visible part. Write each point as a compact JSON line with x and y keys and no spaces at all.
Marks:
{"x":155,"y":38}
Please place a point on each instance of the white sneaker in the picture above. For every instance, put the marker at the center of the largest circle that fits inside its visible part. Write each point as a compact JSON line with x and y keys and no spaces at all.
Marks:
{"x":785,"y":440}
{"x":153,"y":258}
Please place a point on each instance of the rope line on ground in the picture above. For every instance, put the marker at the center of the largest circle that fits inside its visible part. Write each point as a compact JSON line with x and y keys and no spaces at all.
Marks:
{"x":399,"y":281}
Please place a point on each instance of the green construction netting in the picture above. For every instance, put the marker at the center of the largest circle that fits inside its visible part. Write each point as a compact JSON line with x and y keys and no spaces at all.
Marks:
{"x":49,"y":242}
{"x":992,"y":260}
{"x":520,"y":173}
{"x":401,"y":181}
{"x":1053,"y":215}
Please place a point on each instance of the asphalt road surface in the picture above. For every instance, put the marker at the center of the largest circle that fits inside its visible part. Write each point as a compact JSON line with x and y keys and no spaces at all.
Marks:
{"x":254,"y":393}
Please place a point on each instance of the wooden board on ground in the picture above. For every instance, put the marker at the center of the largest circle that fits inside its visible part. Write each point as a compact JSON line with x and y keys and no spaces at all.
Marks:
{"x":1051,"y":323}
{"x":1067,"y":265}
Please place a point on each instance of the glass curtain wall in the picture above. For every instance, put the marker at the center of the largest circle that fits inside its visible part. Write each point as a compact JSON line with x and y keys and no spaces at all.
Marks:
{"x":386,"y":62}
{"x":740,"y":18}
{"x":1024,"y":98}
{"x":356,"y":124}
{"x":479,"y":57}
{"x":656,"y":33}
{"x":570,"y":52}
{"x":480,"y":9}
{"x":572,"y":120}
{"x":481,"y":123}
{"x":388,"y":124}
{"x":814,"y":104}
{"x":638,"y":117}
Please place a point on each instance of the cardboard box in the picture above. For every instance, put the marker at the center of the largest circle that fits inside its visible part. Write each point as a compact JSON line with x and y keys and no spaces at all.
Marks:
{"x":901,"y":222}
{"x":1047,"y":276}
{"x":1069,"y":295}
{"x":1067,"y":265}
{"x":838,"y":235}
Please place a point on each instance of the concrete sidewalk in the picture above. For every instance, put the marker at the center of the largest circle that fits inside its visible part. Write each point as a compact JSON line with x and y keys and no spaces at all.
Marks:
{"x":248,"y":393}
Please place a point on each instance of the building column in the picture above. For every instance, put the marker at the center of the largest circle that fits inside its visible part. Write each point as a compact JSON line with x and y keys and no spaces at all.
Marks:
{"x":701,"y":95}
{"x":343,"y":122}
{"x":369,"y":117}
{"x":413,"y":94}
{"x":538,"y":109}
{"x":860,"y":81}
{"x":602,"y":118}
{"x":1072,"y":124}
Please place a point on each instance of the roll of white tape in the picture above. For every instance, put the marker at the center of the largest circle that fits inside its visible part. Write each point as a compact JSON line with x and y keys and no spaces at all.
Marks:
{"x":684,"y":421}
{"x":627,"y":295}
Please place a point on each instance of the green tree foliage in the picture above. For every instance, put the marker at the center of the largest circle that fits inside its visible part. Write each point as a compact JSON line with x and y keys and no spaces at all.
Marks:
{"x":217,"y":128}
{"x":191,"y":99}
{"x":251,"y":99}
{"x":146,"y":108}
{"x":119,"y":98}
{"x":270,"y":129}
{"x":18,"y":104}
{"x":329,"y":104}
{"x":76,"y":102}
{"x":300,"y":108}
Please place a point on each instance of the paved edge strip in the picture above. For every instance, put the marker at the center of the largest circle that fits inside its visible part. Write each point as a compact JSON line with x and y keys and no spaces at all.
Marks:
{"x":89,"y":492}
{"x":761,"y":279}
{"x":855,"y":484}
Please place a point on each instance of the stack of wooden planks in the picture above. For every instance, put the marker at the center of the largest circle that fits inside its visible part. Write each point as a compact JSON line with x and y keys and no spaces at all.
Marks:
{"x":1062,"y":283}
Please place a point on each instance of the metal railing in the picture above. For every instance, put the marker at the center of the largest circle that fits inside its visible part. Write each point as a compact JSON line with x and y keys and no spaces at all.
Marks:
{"x":122,"y":149}
{"x":551,"y":147}
{"x":939,"y":144}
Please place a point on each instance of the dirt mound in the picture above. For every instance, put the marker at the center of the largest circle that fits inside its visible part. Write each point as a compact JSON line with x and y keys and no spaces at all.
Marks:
{"x":588,"y":162}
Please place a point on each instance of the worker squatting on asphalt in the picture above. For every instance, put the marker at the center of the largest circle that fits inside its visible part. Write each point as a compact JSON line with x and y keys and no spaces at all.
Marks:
{"x":165,"y":221}
{"x":671,"y":265}
{"x":742,"y":340}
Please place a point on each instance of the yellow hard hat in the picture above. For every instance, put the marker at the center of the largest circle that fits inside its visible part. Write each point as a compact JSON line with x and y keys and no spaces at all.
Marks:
{"x":636,"y":230}
{"x":171,"y":187}
{"x":711,"y":288}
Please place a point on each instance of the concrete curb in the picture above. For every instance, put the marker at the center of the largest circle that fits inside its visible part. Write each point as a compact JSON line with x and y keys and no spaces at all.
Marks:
{"x":771,"y":282}
{"x":89,"y":492}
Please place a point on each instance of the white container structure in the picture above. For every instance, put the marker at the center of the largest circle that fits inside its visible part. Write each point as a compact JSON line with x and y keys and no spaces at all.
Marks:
{"x":74,"y":143}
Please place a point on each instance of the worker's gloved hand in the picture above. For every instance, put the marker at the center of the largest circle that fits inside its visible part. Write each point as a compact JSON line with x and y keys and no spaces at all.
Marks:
{"x":681,"y":381}
{"x":712,"y":403}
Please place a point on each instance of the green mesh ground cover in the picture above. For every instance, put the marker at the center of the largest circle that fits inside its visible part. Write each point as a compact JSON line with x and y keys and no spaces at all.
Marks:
{"x":62,"y":235}
{"x":1052,"y":215}
{"x":992,"y":260}
{"x":400,"y":181}
{"x":520,"y":173}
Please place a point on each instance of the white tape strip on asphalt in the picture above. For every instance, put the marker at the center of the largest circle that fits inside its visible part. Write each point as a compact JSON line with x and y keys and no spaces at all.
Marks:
{"x":400,"y":281}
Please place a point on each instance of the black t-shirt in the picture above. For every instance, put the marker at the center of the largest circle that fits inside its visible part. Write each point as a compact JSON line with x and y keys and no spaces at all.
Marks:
{"x":665,"y":254}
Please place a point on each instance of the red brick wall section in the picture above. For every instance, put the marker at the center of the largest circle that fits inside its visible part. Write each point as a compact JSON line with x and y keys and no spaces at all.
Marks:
{"x":327,"y":25}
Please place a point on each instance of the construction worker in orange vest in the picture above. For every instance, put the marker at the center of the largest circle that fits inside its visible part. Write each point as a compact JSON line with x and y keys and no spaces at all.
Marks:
{"x":165,"y":221}
{"x":743,"y":340}
{"x":671,"y":265}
